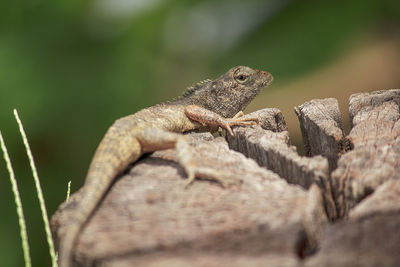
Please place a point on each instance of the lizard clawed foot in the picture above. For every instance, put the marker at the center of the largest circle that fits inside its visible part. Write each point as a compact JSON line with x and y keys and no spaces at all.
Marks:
{"x":237,"y":120}
{"x":238,"y":115}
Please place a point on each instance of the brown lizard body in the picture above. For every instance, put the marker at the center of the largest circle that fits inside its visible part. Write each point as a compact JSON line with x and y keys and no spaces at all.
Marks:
{"x":206,"y":105}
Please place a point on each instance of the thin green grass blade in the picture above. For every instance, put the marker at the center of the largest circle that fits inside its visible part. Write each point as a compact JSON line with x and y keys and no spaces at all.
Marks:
{"x":69,"y":190}
{"x":39,"y":191}
{"x":18,"y":203}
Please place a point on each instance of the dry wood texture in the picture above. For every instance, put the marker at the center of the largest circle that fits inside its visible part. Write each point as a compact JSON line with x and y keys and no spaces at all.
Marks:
{"x":376,"y":154}
{"x":364,"y":179}
{"x":275,"y":207}
{"x":321,"y":127}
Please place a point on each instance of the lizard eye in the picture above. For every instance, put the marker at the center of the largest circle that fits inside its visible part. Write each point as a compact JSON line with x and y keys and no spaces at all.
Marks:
{"x":241,"y":78}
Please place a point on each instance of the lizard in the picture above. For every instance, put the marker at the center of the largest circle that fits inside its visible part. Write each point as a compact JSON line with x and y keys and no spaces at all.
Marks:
{"x":206,"y":105}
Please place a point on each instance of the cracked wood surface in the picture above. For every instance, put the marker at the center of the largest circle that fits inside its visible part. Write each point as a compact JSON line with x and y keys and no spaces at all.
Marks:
{"x":274,"y":209}
{"x":375,"y":157}
{"x":270,"y":147}
{"x":149,"y":218}
{"x":365,"y":185}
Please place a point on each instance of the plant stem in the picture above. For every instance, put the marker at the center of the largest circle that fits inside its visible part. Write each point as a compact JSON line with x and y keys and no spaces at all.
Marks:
{"x":39,"y":191}
{"x":18,"y":203}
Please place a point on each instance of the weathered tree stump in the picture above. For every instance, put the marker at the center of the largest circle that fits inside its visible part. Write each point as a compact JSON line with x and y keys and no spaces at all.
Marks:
{"x":276,"y":206}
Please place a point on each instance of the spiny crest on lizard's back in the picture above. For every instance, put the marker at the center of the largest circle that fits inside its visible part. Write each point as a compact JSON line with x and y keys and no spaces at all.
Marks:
{"x":191,"y":89}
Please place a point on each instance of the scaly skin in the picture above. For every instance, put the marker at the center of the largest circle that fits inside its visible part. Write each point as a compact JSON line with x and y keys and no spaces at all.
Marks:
{"x":206,"y":105}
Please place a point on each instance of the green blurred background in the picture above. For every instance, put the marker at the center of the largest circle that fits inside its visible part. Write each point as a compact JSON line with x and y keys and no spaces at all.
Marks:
{"x":72,"y":67}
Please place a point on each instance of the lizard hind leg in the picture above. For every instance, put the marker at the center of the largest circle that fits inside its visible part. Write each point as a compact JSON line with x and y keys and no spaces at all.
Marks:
{"x":153,"y":139}
{"x":193,"y":171}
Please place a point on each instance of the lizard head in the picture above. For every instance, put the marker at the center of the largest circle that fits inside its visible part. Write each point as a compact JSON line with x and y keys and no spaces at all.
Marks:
{"x":234,"y":90}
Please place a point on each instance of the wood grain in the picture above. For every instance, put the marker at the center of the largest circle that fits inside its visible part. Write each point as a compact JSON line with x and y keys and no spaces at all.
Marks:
{"x":275,"y":206}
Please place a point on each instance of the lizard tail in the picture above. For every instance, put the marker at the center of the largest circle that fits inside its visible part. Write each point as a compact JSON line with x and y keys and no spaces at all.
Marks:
{"x":67,"y":244}
{"x":91,"y":197}
{"x":111,"y":158}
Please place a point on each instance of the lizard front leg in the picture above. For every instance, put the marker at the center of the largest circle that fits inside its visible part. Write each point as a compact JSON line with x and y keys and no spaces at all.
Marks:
{"x":210,"y":118}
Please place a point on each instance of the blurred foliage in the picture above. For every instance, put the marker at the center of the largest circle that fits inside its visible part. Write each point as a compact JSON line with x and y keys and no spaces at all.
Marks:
{"x":72,"y":67}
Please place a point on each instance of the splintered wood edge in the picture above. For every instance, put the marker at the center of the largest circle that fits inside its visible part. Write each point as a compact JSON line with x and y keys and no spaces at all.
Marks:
{"x":322,"y":130}
{"x":372,"y":161}
{"x":270,"y":119}
{"x":271,"y":149}
{"x":322,"y":134}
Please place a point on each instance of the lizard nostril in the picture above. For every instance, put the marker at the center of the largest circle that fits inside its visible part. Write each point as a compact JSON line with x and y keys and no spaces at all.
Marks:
{"x":261,"y":72}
